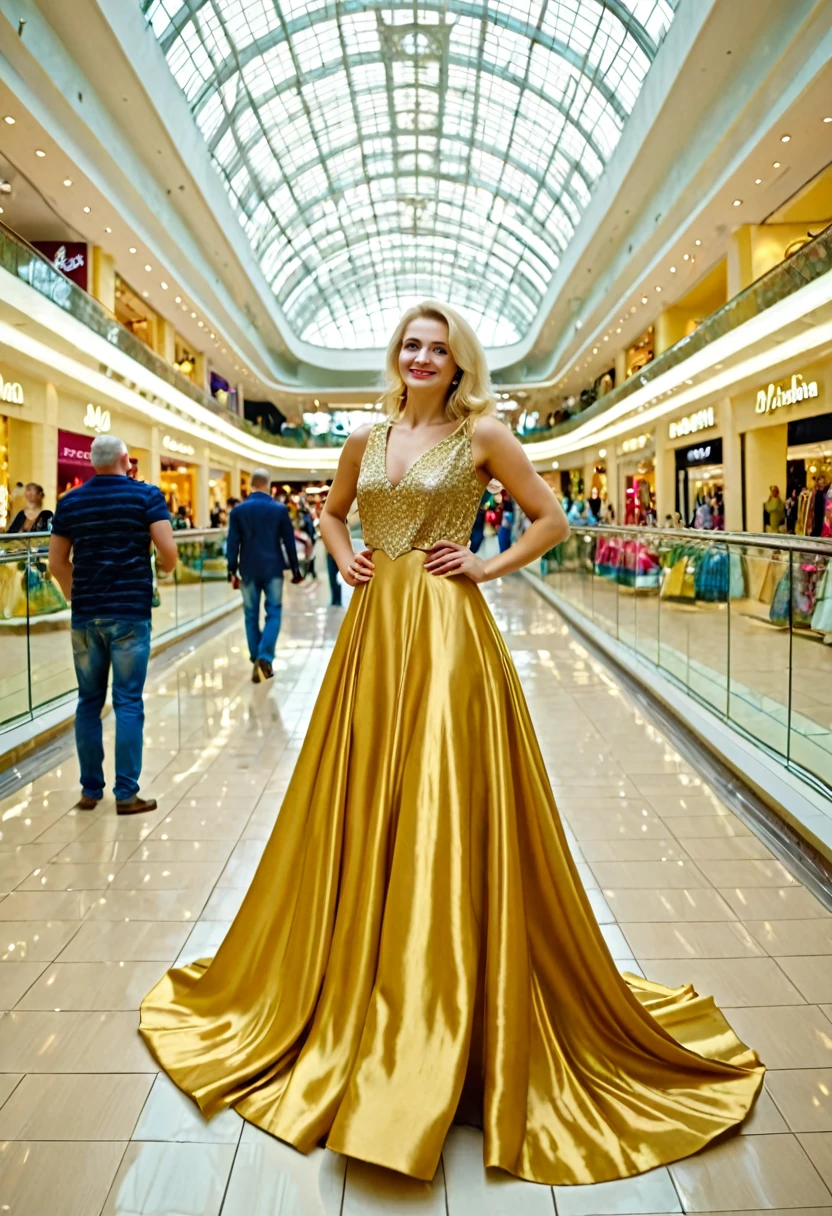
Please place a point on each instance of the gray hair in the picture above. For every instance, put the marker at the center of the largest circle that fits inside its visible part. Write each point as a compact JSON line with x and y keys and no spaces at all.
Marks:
{"x":106,"y":450}
{"x":261,"y":477}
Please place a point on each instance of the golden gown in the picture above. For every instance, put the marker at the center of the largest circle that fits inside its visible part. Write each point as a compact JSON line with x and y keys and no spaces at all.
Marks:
{"x":416,"y":942}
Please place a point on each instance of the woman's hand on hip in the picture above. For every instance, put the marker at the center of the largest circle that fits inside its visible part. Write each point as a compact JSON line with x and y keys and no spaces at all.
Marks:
{"x":448,"y":558}
{"x":360,"y":570}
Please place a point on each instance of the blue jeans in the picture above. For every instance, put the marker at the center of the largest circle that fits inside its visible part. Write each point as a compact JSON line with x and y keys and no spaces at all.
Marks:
{"x":334,"y":585}
{"x":96,"y":647}
{"x":262,"y":642}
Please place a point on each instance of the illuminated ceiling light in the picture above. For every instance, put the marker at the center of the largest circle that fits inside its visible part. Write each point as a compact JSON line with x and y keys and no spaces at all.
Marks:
{"x":737,"y":202}
{"x":618,"y":331}
{"x":177,"y":300}
{"x":132,"y":249}
{"x":828,"y":118}
{"x":697,"y":242}
{"x":145,"y":294}
{"x":67,"y":181}
{"x":633,"y":309}
{"x":658,"y":288}
{"x":644,"y":299}
{"x":579,"y":324}
{"x":193,"y":315}
{"x":148,"y":267}
{"x":9,"y":120}
{"x":686,"y":257}
{"x":86,"y":211}
{"x":39,"y":152}
{"x":758,"y":181}
{"x":108,"y":230}
{"x":672,"y":269}
{"x":595,"y":350}
{"x":602,"y":452}
{"x":775,"y":164}
{"x":555,"y":464}
{"x":163,"y":285}
{"x":784,"y":139}
{"x":201,"y":324}
{"x":1,"y":210}
{"x":606,"y":339}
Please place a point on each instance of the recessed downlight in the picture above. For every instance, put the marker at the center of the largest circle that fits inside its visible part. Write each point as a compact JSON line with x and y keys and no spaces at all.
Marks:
{"x":644,"y":299}
{"x":784,"y":139}
{"x":758,"y":181}
{"x":8,"y":118}
{"x":108,"y":230}
{"x":163,"y":285}
{"x":67,"y":181}
{"x":697,"y":242}
{"x":737,"y":202}
{"x":775,"y":164}
{"x":193,"y":314}
{"x":132,"y":249}
{"x":658,"y":288}
{"x":148,"y":267}
{"x":86,"y":211}
{"x":39,"y":152}
{"x":685,"y":257}
{"x":177,"y":300}
{"x":672,"y":269}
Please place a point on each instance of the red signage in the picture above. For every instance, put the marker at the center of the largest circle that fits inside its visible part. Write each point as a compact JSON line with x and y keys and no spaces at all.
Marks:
{"x":70,"y":257}
{"x":74,"y":450}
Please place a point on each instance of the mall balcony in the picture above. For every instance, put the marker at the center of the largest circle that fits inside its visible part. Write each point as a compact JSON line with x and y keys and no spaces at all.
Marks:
{"x":211,"y":216}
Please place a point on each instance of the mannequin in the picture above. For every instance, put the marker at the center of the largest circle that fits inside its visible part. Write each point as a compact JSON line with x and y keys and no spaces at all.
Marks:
{"x":774,"y":511}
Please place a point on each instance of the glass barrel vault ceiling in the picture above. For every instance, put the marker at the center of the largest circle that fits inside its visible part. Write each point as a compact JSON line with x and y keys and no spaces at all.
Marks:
{"x":377,"y":153}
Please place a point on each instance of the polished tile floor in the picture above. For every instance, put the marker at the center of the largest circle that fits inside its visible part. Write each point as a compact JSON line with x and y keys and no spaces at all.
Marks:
{"x":93,"y":909}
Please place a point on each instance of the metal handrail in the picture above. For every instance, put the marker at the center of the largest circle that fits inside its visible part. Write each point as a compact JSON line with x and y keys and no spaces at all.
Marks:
{"x":752,"y":540}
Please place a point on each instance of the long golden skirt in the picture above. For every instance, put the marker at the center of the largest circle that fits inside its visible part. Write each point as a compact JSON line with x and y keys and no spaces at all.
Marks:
{"x":416,"y":943}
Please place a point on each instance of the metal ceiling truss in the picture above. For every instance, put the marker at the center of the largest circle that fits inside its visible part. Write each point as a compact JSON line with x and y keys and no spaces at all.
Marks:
{"x":377,"y":151}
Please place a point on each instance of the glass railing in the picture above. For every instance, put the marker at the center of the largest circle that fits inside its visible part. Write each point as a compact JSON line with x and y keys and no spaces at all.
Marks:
{"x":743,"y":623}
{"x":809,"y":263}
{"x":36,"y":668}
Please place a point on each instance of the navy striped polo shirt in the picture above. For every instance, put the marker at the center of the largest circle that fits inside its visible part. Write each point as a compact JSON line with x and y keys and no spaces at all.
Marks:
{"x":108,"y":520}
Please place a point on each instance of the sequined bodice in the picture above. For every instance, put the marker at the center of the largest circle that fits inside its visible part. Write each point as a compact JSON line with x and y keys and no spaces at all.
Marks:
{"x":437,"y":499}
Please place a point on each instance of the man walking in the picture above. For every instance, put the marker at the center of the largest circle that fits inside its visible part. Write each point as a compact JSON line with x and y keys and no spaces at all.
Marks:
{"x":107,"y":526}
{"x":261,"y":543}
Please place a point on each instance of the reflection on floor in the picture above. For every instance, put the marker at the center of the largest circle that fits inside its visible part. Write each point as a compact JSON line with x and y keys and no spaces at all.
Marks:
{"x":97,"y":907}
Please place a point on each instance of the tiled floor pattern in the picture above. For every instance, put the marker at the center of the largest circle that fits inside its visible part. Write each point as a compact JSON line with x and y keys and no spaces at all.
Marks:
{"x":96,"y":908}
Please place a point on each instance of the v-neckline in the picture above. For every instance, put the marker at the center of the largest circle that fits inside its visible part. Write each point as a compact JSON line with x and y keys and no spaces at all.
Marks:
{"x":421,"y":455}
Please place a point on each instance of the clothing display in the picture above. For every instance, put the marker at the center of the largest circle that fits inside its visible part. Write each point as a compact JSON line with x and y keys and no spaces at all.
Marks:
{"x":822,"y":613}
{"x":417,"y":944}
{"x":803,"y":595}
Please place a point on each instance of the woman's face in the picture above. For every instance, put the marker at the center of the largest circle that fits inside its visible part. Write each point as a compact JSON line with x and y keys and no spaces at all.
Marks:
{"x":425,"y":358}
{"x":34,"y":497}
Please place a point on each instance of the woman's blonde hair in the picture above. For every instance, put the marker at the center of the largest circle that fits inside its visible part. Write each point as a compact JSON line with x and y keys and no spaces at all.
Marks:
{"x":473,"y":395}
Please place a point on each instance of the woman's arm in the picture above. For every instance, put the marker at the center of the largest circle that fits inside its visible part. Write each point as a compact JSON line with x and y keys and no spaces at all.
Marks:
{"x":501,"y":455}
{"x":354,"y":568}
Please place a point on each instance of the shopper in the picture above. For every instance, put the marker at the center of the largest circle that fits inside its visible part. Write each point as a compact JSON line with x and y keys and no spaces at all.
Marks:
{"x":32,"y":517}
{"x":100,"y":554}
{"x":334,"y":582}
{"x":261,"y":543}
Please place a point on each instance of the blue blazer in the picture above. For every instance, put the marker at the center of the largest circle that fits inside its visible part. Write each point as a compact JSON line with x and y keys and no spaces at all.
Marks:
{"x":261,"y":539}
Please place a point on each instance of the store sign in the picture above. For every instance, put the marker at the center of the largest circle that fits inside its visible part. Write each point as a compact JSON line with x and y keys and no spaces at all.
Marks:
{"x":70,"y":257}
{"x":700,"y":421}
{"x":97,"y":419}
{"x":636,"y":444}
{"x":775,"y":396}
{"x":11,"y":392}
{"x":173,"y":445}
{"x":704,"y":453}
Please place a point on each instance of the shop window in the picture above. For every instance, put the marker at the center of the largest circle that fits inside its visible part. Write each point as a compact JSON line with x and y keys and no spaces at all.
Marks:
{"x":134,"y":313}
{"x":640,"y":353}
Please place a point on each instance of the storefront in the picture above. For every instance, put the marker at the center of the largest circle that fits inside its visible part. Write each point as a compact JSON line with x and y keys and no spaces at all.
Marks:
{"x":785,"y":429}
{"x":636,"y":464}
{"x":179,"y":474}
{"x":219,"y":490}
{"x":700,"y":485}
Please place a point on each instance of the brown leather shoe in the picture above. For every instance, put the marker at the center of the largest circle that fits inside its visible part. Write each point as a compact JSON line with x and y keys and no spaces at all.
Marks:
{"x":135,"y":805}
{"x":86,"y":804}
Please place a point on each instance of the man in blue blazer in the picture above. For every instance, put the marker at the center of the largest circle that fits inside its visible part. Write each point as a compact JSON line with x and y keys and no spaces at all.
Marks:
{"x":261,"y":544}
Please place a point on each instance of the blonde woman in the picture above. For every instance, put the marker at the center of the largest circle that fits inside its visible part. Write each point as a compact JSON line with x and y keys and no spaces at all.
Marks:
{"x":416,"y":944}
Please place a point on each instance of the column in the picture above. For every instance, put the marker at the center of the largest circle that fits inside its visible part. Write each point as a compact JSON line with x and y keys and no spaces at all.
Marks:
{"x":155,"y":473}
{"x":620,"y":366}
{"x":665,"y":474}
{"x":731,"y":463}
{"x":765,"y":466}
{"x":668,"y":329}
{"x":202,"y":506}
{"x":611,"y":461}
{"x":103,"y":278}
{"x":164,"y":340}
{"x":200,"y":376}
{"x":740,"y":260}
{"x":235,"y":482}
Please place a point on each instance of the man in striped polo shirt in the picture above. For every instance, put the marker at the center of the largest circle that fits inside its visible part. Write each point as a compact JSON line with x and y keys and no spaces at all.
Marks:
{"x":100,"y":554}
